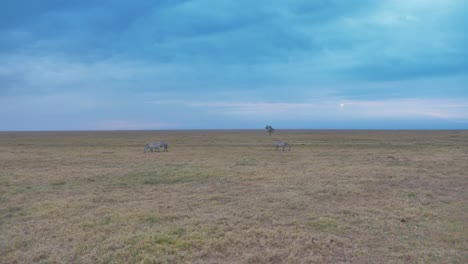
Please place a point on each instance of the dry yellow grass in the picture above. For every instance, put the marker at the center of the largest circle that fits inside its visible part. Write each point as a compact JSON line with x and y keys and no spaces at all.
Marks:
{"x":228,"y":197}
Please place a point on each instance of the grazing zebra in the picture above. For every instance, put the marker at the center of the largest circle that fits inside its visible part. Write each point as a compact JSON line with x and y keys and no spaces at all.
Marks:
{"x":156,"y":145}
{"x":282,"y":144}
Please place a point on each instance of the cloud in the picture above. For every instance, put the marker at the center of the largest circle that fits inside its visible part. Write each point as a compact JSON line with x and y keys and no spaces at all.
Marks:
{"x":246,"y":59}
{"x":41,"y":75}
{"x":131,"y":125}
{"x":448,"y":109}
{"x":364,"y":39}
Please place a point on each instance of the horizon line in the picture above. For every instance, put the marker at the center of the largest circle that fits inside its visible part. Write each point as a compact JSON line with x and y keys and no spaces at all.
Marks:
{"x":243,"y":129}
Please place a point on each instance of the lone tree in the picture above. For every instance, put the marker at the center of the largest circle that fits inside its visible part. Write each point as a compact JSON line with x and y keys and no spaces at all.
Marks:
{"x":270,"y":129}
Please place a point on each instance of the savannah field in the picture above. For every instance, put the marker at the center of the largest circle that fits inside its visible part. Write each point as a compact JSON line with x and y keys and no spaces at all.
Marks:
{"x":229,"y":197}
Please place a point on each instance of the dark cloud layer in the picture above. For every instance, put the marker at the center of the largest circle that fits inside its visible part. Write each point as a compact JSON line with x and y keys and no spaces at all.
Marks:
{"x":244,"y":32}
{"x":274,"y":51}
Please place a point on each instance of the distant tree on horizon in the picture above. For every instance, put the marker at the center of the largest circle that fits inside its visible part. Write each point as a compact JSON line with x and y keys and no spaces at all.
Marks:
{"x":270,"y":129}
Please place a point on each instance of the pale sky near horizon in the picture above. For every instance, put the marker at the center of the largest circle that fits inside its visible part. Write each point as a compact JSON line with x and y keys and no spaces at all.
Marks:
{"x":118,"y":65}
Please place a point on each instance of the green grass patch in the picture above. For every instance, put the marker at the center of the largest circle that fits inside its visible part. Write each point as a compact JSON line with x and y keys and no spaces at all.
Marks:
{"x":21,"y":189}
{"x":11,"y":212}
{"x":97,"y":223}
{"x":325,"y":224}
{"x":455,"y":233}
{"x":167,"y":247}
{"x":166,"y":175}
{"x":153,"y":219}
{"x":9,"y":189}
{"x":58,"y":183}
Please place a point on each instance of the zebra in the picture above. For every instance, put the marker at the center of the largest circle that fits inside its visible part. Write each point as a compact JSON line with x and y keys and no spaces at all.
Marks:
{"x":156,"y":145}
{"x":282,"y":144}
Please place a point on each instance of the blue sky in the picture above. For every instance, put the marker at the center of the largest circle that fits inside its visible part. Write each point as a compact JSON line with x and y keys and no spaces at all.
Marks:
{"x":99,"y":65}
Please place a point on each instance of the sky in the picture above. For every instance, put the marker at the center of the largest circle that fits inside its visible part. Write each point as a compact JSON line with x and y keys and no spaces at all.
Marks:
{"x":239,"y":64}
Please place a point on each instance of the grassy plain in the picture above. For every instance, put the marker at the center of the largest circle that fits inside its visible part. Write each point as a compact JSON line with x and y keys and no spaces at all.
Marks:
{"x":229,"y":197}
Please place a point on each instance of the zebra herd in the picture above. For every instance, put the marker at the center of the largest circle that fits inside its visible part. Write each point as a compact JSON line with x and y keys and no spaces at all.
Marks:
{"x":156,"y":146}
